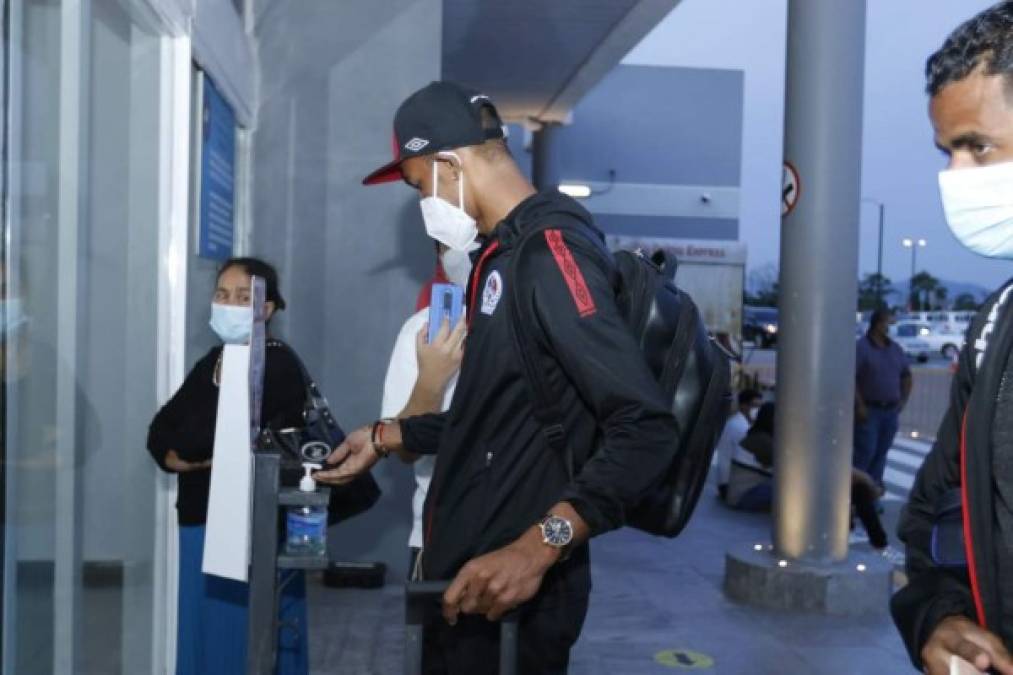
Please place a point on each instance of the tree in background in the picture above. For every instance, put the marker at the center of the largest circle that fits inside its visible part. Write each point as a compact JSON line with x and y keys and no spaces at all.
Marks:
{"x":874,"y":291}
{"x":762,"y":286}
{"x":941,"y":293}
{"x":965,"y":302}
{"x":923,"y":285}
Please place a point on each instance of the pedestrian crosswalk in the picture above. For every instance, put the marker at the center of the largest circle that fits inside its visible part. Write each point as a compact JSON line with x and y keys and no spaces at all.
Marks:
{"x":902,"y":464}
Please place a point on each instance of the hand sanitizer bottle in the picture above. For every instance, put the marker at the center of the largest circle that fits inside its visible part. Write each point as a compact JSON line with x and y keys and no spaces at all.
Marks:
{"x":306,"y":526}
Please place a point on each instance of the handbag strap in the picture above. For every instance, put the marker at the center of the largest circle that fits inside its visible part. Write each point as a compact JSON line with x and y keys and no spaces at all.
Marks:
{"x":315,"y":406}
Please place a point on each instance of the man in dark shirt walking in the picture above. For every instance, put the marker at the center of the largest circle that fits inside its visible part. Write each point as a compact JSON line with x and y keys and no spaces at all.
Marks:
{"x":882,"y":388}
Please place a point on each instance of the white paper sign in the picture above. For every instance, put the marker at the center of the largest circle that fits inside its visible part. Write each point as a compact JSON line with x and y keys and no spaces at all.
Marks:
{"x":227,"y":534}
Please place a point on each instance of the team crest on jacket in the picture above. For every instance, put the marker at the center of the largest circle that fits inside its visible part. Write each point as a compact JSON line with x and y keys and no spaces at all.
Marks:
{"x":492,"y":293}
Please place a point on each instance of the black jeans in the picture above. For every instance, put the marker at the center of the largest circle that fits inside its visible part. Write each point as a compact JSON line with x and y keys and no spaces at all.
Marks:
{"x":546,"y":632}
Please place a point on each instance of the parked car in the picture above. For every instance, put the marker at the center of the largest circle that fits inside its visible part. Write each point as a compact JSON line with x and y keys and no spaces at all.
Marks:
{"x":923,"y":340}
{"x":759,"y":325}
{"x":945,"y":320}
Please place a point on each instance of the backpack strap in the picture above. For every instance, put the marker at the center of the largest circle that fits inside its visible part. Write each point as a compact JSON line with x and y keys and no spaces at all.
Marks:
{"x":987,"y":323}
{"x":545,"y":406}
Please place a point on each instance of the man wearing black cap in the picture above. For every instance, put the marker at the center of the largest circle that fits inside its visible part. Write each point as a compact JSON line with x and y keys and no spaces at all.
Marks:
{"x":507,"y":518}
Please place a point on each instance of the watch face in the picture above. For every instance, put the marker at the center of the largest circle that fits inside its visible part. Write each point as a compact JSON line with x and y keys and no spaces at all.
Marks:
{"x":557,"y":531}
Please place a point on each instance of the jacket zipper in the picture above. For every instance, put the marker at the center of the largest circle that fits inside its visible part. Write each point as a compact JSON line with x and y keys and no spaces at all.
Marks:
{"x":476,"y":274}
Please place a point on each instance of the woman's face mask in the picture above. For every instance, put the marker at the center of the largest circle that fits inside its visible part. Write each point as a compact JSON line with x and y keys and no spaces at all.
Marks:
{"x":446,"y":223}
{"x":232,"y":323}
{"x":978,"y":203}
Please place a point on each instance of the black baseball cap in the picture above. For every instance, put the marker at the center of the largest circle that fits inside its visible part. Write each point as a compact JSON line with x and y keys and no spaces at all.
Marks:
{"x":440,"y":116}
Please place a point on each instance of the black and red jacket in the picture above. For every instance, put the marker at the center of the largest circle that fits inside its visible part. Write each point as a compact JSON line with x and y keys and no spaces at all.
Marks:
{"x":496,"y":475}
{"x":961,"y":459}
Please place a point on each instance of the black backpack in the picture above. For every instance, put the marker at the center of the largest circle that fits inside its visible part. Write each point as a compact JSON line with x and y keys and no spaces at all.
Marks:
{"x":691,"y":369}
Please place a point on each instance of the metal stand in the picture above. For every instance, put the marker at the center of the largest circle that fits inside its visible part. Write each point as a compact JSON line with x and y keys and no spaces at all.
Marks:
{"x":265,"y":559}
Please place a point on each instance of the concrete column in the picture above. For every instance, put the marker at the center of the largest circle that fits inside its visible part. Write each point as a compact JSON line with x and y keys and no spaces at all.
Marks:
{"x":544,"y":169}
{"x":819,"y":263}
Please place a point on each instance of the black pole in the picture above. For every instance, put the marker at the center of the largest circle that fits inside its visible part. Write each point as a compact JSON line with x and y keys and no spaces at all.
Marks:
{"x":914,"y":257}
{"x":879,"y":257}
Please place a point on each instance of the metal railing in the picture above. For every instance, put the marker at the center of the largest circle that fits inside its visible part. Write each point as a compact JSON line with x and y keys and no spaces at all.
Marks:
{"x":920,"y":420}
{"x":930,"y":397}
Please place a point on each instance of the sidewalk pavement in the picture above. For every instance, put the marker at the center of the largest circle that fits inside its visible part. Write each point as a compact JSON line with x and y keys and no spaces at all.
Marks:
{"x":657,"y":607}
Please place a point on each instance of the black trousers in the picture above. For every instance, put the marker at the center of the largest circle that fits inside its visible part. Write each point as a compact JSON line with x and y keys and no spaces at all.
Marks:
{"x":546,"y":632}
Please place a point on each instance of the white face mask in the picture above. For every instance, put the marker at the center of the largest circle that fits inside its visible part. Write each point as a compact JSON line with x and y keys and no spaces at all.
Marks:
{"x":448,"y":224}
{"x":457,"y":264}
{"x":232,"y":323}
{"x":978,"y":204}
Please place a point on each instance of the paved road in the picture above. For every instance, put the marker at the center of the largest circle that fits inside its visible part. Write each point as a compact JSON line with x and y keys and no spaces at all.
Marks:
{"x":902,"y":464}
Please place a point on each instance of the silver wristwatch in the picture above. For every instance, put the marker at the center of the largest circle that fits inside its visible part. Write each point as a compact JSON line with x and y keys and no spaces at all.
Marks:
{"x":557,"y":532}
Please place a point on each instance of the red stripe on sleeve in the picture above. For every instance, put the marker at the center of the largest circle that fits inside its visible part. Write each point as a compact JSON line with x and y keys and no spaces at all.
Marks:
{"x":571,"y":273}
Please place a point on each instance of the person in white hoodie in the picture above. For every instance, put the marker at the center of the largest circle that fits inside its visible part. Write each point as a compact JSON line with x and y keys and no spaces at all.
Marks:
{"x":421,"y":378}
{"x":735,"y":430}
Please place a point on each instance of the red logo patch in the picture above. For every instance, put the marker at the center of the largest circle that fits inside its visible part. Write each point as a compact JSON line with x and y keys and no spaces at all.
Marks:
{"x":571,"y":273}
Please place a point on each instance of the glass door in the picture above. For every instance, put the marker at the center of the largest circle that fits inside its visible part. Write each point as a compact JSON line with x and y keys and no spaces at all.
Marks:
{"x":84,"y":251}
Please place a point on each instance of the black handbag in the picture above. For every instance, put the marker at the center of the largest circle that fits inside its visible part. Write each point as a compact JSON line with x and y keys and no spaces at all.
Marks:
{"x":313,"y":442}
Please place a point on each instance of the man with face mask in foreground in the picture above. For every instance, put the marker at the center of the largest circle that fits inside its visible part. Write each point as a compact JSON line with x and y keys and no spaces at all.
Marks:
{"x":504,"y":518}
{"x":959,"y":602}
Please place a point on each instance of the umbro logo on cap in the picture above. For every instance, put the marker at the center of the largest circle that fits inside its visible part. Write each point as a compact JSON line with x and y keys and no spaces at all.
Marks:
{"x":440,"y":116}
{"x":416,"y":144}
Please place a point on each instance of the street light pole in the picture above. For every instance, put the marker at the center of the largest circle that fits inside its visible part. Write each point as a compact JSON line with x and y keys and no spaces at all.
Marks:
{"x":879,"y":250}
{"x":914,"y":245}
{"x":879,"y":255}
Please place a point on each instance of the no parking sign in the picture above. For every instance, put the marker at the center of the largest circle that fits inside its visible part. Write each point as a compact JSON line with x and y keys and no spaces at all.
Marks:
{"x":791,"y":188}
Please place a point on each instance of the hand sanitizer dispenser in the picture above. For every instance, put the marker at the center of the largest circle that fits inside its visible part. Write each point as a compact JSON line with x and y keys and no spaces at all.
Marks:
{"x":306,"y":526}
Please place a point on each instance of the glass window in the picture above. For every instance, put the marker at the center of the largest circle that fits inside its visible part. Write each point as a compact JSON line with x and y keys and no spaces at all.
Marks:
{"x":80,"y":349}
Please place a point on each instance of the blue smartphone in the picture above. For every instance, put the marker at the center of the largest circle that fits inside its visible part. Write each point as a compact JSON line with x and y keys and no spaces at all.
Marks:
{"x":446,"y":302}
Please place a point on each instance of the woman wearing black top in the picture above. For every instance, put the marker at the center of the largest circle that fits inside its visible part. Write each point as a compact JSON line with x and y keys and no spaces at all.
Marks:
{"x":212,"y":610}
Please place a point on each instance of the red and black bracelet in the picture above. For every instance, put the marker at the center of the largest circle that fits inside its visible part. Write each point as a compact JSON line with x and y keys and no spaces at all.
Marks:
{"x":377,"y":438}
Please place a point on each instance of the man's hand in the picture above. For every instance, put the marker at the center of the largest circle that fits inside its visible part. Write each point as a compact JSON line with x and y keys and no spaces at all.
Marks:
{"x":960,"y":636}
{"x":173,"y":461}
{"x":355,"y":456}
{"x":440,"y":359}
{"x":495,"y":583}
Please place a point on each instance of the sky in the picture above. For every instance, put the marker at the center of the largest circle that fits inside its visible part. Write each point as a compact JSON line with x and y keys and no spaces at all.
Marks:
{"x":900,"y":163}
